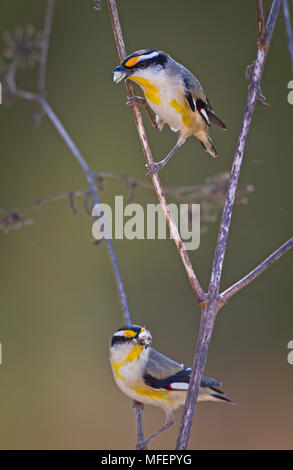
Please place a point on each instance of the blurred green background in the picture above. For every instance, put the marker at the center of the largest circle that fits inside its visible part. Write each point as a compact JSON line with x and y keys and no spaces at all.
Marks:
{"x":59,"y":305}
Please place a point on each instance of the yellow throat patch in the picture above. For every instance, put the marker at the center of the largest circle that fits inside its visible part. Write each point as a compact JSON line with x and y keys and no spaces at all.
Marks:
{"x":151,"y":91}
{"x":132,"y":356}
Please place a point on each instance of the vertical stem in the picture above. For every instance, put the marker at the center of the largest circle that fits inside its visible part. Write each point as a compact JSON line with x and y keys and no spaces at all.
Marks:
{"x":207,"y":321}
{"x":238,"y":156}
{"x":45,"y":46}
{"x":260,"y":21}
{"x":286,"y":13}
{"x":139,"y":428}
{"x":214,"y":302}
{"x":91,"y":181}
{"x":200,"y":294}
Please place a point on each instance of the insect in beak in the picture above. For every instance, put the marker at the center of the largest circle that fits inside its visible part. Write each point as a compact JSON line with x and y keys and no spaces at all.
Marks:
{"x":144,"y":338}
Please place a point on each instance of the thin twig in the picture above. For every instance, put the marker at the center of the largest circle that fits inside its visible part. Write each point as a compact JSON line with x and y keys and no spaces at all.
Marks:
{"x":58,"y":197}
{"x":183,"y":194}
{"x":211,"y":304}
{"x":139,"y":428}
{"x":260,"y":22}
{"x":200,"y":294}
{"x":238,"y":156}
{"x":45,"y":46}
{"x":92,"y":184}
{"x":82,"y":162}
{"x":286,"y":13}
{"x":211,"y":194}
{"x":210,"y":311}
{"x":228,"y":293}
{"x":90,"y":176}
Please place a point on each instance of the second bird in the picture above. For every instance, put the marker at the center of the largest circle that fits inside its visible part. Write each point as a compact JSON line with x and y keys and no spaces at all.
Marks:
{"x":175,"y":96}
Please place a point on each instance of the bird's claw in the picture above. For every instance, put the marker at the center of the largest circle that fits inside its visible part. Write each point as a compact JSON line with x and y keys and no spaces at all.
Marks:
{"x":135,"y":100}
{"x":134,"y":403}
{"x":153,"y":168}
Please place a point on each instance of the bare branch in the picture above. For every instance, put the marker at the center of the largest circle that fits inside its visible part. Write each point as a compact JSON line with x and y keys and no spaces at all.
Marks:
{"x":260,"y":22}
{"x":91,"y":181}
{"x":238,"y":156}
{"x":211,"y":194}
{"x":200,"y":294}
{"x":45,"y":45}
{"x":286,"y":13}
{"x":138,"y":416}
{"x":82,"y":162}
{"x":228,"y":293}
{"x":213,"y":304}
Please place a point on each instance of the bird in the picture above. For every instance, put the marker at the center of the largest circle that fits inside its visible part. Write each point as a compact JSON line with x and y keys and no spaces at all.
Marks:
{"x":175,"y":96}
{"x":147,"y":376}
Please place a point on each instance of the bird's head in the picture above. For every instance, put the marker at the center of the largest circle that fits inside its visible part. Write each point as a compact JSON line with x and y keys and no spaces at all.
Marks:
{"x":139,"y":62}
{"x":132,"y":335}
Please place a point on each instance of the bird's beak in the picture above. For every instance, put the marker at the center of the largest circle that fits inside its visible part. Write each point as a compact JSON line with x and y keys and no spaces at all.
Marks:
{"x":119,"y":73}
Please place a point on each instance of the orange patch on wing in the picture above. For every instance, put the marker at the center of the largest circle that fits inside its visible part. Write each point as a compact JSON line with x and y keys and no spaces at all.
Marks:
{"x":132,"y":61}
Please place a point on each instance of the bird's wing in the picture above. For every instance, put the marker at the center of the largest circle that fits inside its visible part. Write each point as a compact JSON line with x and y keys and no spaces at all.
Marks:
{"x":162,"y":372}
{"x":197,"y":100}
{"x":160,"y":366}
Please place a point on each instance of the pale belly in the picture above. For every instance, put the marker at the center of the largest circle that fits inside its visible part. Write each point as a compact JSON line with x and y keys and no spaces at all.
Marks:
{"x":168,"y":102}
{"x":127,"y":381}
{"x":172,"y":108}
{"x":176,"y":114}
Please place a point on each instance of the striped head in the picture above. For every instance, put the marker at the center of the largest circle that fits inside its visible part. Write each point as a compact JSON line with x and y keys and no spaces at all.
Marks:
{"x":129,"y":344}
{"x":151,"y":59}
{"x":131,"y":336}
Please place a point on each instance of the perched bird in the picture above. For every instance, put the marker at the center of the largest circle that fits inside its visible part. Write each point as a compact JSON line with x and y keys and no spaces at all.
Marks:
{"x":149,"y":377}
{"x":175,"y":96}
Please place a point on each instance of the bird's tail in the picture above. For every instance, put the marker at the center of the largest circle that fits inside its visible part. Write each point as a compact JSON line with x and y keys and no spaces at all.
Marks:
{"x":218,"y":395}
{"x":215,"y":120}
{"x":207,"y":144}
{"x":212,"y":393}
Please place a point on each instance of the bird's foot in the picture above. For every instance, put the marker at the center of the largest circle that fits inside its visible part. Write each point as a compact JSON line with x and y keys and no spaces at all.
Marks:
{"x":135,"y":100}
{"x":134,"y":403}
{"x":143,"y":444}
{"x":140,"y":101}
{"x":153,"y":168}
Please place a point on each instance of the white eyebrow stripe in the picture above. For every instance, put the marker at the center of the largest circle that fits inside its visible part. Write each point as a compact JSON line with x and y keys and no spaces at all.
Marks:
{"x":119,"y":333}
{"x":148,"y":56}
